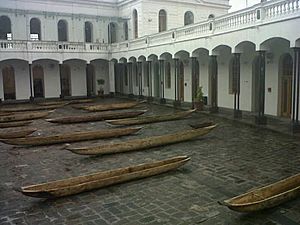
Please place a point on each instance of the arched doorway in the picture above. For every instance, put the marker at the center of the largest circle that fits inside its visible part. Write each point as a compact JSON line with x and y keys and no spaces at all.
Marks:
{"x":5,"y":28}
{"x":112,"y":33}
{"x":90,"y":80}
{"x":188,"y":18}
{"x":181,"y":81}
{"x":162,"y":21}
{"x":38,"y":81}
{"x":285,"y":73}
{"x":255,"y":84}
{"x":35,"y":29}
{"x":213,"y":83}
{"x":62,"y":30}
{"x":9,"y":87}
{"x":65,"y":80}
{"x":88,"y":32}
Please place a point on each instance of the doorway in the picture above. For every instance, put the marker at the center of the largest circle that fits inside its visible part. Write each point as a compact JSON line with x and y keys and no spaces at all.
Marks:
{"x":181,"y":81}
{"x":65,"y":80}
{"x":9,"y":87}
{"x":90,"y":80}
{"x":38,"y":81}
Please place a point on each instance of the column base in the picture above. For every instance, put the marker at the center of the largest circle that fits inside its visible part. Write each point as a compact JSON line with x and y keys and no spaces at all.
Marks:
{"x":237,"y":114}
{"x":31,"y":99}
{"x":261,"y":120}
{"x":162,"y":101}
{"x":214,"y":109}
{"x":177,"y":103}
{"x":295,"y":127}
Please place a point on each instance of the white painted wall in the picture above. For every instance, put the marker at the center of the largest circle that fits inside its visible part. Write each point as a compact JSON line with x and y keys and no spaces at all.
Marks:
{"x":78,"y":77}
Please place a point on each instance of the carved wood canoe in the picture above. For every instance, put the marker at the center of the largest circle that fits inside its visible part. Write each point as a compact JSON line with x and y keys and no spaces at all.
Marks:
{"x":31,"y":108}
{"x":24,"y":116}
{"x":151,"y":119}
{"x":17,"y":133}
{"x":102,"y":179}
{"x":95,"y":117}
{"x":76,"y":101}
{"x":71,"y":137}
{"x":15,"y":124}
{"x":267,"y":196}
{"x":140,"y":144}
{"x":201,"y":125}
{"x":106,"y":107}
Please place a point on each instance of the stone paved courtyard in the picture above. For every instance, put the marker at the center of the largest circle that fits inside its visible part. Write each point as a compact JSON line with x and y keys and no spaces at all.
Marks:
{"x":229,"y":161}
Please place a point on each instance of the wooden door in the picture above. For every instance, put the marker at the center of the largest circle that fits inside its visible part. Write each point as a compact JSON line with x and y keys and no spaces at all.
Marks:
{"x":38,"y":82}
{"x":65,"y":80}
{"x":286,"y":96}
{"x":9,"y":87}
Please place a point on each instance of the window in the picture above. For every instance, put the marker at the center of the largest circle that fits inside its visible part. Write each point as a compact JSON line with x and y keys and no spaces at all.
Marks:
{"x":62,"y":30}
{"x":35,"y":29}
{"x":188,"y":18}
{"x":162,"y":20}
{"x":211,"y":16}
{"x":5,"y":28}
{"x":88,"y":30}
{"x":135,"y":24}
{"x":168,"y":74}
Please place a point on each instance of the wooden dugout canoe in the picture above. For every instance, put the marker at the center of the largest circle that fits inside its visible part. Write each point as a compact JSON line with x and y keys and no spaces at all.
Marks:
{"x":17,"y":133}
{"x":151,"y":119}
{"x":106,"y":107}
{"x":24,"y":116}
{"x":77,"y":101}
{"x":95,"y":117}
{"x":98,"y":180}
{"x":140,"y":144}
{"x":266,"y":197}
{"x":15,"y":124}
{"x":71,"y":137}
{"x":31,"y":108}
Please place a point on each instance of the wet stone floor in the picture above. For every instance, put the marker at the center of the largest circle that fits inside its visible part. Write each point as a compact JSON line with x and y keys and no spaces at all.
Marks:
{"x":230,"y":160}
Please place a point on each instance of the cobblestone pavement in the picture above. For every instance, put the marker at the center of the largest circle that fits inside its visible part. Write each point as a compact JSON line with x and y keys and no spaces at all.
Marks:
{"x":229,"y":161}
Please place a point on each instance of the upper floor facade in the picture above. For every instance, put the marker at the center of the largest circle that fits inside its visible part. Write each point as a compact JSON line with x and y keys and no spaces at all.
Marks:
{"x":93,"y":21}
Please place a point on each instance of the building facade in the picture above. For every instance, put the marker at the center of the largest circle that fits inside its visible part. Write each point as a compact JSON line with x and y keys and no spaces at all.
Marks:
{"x":246,"y":60}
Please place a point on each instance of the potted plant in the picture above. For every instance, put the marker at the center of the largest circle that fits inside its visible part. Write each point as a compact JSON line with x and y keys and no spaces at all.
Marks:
{"x":199,"y":99}
{"x":100,"y":83}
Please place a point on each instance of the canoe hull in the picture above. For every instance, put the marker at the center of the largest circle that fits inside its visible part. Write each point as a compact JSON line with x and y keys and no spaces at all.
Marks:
{"x":73,"y":137}
{"x":266,"y":197}
{"x":24,"y":116}
{"x":29,"y":109}
{"x":150,"y":119}
{"x":15,"y":124}
{"x":102,"y":179}
{"x":146,"y":143}
{"x":17,"y":133}
{"x":106,"y":107}
{"x":95,"y":117}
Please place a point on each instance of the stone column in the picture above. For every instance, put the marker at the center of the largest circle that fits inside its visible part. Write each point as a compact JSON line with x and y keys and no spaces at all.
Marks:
{"x":112,"y":80}
{"x":261,"y":119}
{"x":296,"y":89}
{"x":149,"y":67}
{"x":31,"y":98}
{"x":161,"y":80}
{"x":236,"y":85}
{"x":213,"y":84}
{"x":194,"y":85}
{"x":140,"y":80}
{"x":60,"y":76}
{"x":130,"y":80}
{"x":176,"y":102}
